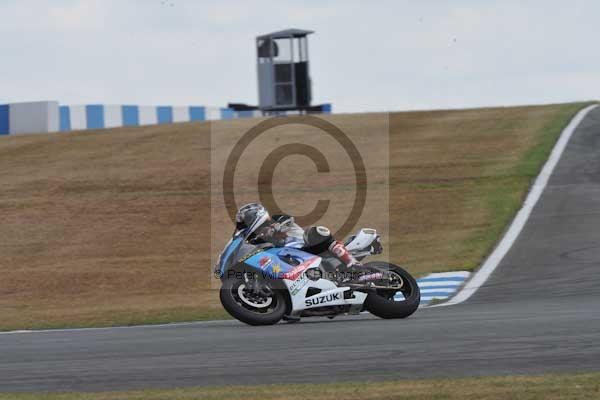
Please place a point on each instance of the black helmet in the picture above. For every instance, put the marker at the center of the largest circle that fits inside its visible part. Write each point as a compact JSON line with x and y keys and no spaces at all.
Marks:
{"x":252,"y":215}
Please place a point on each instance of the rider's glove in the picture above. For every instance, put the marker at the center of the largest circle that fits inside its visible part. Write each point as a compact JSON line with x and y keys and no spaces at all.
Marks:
{"x":274,"y":234}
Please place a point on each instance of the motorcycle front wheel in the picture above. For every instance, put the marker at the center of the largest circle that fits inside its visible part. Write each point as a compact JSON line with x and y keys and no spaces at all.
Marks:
{"x":384,"y":304}
{"x":254,"y":303}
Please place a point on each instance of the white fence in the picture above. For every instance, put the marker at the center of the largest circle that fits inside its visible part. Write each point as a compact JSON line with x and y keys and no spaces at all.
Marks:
{"x":49,"y":116}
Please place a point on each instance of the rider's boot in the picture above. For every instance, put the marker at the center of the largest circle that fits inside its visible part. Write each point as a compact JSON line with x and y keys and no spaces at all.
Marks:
{"x":353,"y":273}
{"x":339,"y":250}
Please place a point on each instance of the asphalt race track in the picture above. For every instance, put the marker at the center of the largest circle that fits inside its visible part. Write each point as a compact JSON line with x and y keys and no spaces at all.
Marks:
{"x":539,"y":312}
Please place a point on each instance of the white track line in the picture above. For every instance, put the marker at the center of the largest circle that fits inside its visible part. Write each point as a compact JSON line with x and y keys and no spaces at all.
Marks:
{"x":520,"y":220}
{"x":127,"y":327}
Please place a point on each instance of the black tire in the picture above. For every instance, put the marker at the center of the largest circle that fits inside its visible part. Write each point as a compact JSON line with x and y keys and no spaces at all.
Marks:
{"x":243,"y":312}
{"x":382,"y":303}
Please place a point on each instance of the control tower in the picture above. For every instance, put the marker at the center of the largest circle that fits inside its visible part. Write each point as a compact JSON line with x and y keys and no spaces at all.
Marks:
{"x":283,"y":71}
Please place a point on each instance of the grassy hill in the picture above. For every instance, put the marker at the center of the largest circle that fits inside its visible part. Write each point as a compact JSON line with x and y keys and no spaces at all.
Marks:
{"x":111,"y":227}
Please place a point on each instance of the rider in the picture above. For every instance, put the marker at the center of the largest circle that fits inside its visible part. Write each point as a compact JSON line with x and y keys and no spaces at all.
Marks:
{"x":281,"y":230}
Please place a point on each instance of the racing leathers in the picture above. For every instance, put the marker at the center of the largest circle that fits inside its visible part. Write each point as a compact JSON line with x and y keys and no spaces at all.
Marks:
{"x":282,"y":231}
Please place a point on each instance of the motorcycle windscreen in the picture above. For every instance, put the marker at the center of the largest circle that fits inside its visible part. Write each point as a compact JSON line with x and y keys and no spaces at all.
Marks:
{"x":226,"y":259}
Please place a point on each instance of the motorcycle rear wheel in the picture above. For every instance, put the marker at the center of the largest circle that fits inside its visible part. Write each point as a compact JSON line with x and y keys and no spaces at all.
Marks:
{"x":382,"y":303}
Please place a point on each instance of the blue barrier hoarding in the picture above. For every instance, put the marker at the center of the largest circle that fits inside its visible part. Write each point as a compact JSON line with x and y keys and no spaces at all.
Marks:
{"x":95,"y":116}
{"x":4,"y":119}
{"x":131,"y":115}
{"x":164,"y":114}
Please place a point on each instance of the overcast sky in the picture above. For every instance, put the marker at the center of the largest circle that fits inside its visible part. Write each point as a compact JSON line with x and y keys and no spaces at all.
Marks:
{"x":365,"y":56}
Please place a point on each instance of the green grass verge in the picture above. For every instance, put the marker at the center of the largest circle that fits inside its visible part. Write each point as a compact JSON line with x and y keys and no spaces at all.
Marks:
{"x":129,"y":318}
{"x":547,"y":387}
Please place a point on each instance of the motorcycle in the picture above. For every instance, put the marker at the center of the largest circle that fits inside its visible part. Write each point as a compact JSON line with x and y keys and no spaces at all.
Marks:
{"x":262,"y":284}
